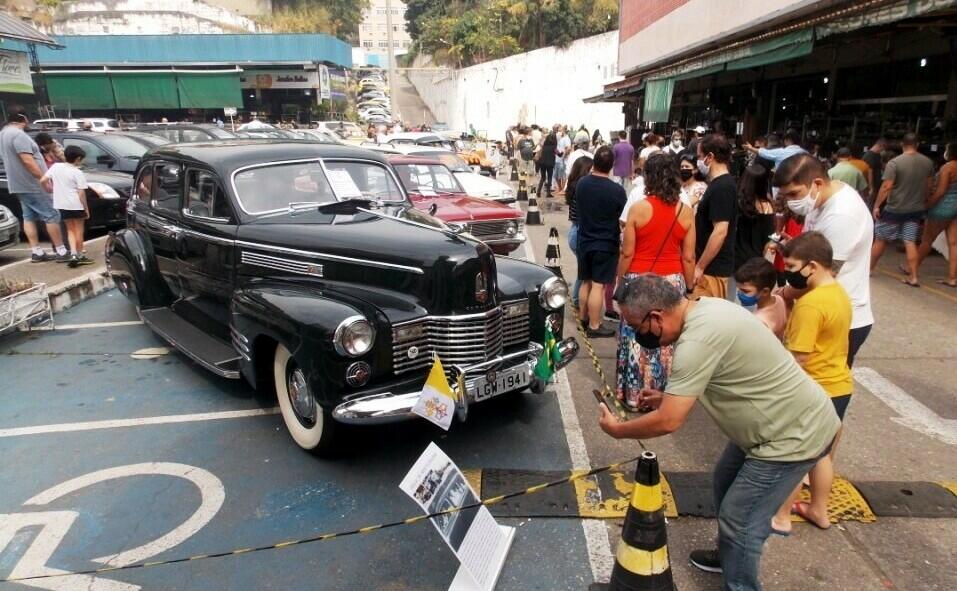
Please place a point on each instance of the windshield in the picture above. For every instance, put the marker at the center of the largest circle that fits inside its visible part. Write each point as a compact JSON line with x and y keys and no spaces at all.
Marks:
{"x":275,"y":187}
{"x":124,"y":146}
{"x":218,"y":133}
{"x":428,"y":179}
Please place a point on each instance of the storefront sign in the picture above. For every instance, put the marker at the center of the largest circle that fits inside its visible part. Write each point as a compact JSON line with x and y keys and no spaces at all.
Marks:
{"x":325,"y":84}
{"x":266,"y":79}
{"x":15,"y":72}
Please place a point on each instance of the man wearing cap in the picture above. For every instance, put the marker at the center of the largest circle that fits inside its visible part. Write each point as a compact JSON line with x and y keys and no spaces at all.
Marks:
{"x":779,"y":421}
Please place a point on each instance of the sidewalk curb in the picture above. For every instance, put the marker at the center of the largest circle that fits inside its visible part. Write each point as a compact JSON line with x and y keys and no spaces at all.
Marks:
{"x":78,"y":289}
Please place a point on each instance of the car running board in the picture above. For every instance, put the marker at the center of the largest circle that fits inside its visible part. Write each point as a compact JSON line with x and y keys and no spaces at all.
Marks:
{"x":213,"y":354}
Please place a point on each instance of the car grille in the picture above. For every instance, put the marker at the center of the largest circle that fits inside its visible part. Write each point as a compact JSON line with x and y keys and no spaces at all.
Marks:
{"x":491,"y":230}
{"x":458,"y":340}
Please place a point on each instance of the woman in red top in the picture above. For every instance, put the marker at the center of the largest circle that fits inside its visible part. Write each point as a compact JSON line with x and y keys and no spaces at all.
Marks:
{"x":658,"y":238}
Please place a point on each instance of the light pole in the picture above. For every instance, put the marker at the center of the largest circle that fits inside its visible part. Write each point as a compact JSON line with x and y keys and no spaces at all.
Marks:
{"x":392,"y":80}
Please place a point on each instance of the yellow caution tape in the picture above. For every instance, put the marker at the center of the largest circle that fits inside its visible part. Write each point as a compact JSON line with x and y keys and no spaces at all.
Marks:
{"x":573,"y":477}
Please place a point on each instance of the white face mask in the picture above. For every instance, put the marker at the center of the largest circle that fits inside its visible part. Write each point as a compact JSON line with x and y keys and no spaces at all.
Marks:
{"x":676,"y":141}
{"x":703,"y":168}
{"x":804,"y":205}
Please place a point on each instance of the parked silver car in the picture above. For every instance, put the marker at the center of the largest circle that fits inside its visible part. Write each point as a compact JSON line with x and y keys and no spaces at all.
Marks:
{"x":9,"y":229}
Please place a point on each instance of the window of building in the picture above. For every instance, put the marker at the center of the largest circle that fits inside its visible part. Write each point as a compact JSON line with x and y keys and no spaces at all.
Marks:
{"x":383,"y":43}
{"x":367,"y":43}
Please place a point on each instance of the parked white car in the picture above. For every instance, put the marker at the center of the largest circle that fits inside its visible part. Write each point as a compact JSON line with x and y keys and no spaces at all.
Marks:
{"x":99,"y":123}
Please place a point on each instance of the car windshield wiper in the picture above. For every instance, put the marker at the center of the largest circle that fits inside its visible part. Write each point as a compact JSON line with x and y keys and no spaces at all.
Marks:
{"x":349,"y":205}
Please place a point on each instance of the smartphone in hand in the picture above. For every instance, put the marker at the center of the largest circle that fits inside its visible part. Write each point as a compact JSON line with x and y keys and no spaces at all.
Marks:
{"x":611,"y":404}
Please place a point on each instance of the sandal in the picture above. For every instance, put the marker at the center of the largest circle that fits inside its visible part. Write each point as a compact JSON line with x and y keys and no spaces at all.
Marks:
{"x":947,"y":283}
{"x":909,"y":284}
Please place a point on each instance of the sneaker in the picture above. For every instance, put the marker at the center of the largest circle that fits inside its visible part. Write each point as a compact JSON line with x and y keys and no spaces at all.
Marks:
{"x":612,"y":316}
{"x":600,"y":332}
{"x":83,"y":260}
{"x":706,"y":560}
{"x":63,"y":258}
{"x":39,"y":258}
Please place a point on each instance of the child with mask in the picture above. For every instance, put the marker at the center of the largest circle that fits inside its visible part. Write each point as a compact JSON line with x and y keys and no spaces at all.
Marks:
{"x":817,"y":337}
{"x":756,"y":279}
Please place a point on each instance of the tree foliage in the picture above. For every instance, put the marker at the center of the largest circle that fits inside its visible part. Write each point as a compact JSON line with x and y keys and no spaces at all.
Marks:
{"x":340,"y":18}
{"x":466,"y":32}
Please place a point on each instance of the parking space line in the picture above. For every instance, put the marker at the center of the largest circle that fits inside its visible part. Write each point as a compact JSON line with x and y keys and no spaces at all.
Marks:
{"x":596,"y":535}
{"x":140,"y":422}
{"x":99,"y":324}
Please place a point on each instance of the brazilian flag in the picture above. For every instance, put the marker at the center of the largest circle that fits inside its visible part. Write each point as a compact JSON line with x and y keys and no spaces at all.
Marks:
{"x":545,"y":367}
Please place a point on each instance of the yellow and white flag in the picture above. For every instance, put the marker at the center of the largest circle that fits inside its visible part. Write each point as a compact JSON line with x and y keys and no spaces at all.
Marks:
{"x":437,"y":401}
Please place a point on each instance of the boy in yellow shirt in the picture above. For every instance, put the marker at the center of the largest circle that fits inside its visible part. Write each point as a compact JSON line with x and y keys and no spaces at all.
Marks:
{"x":817,"y":336}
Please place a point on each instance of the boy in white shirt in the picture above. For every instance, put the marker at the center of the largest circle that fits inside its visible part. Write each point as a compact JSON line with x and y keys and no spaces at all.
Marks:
{"x":69,"y":197}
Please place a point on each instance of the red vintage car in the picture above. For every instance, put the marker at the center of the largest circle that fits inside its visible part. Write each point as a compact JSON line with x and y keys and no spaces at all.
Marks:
{"x":434,"y":189}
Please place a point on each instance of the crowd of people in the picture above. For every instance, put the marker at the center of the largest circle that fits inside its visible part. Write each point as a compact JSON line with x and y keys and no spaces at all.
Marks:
{"x":748,"y":293}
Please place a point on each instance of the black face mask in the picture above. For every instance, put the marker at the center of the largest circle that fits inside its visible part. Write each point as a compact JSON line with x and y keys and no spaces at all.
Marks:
{"x":648,"y":340}
{"x":795,"y":279}
{"x":686,"y":174}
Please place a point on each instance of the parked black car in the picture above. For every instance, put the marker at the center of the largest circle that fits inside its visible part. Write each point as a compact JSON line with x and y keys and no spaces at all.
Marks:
{"x":104,"y":151}
{"x":305,"y":269}
{"x":106,"y":196}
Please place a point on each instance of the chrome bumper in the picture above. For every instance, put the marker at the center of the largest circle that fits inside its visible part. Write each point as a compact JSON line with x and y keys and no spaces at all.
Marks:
{"x":389,"y":407}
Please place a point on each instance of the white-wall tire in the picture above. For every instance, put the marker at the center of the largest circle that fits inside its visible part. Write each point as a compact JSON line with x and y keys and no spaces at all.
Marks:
{"x":316,"y":438}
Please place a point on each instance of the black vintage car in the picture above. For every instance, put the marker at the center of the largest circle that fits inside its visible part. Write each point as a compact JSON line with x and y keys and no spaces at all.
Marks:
{"x":305,"y":269}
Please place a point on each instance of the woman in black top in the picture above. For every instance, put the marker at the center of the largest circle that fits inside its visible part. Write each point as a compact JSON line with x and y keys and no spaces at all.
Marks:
{"x":581,"y":168}
{"x":755,"y":214}
{"x":546,"y":162}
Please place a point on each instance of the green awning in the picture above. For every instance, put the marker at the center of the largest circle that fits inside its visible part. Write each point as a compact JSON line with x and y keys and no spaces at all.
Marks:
{"x":209,"y":91}
{"x":658,"y":100}
{"x":155,"y":90}
{"x":80,"y":91}
{"x":779,"y":54}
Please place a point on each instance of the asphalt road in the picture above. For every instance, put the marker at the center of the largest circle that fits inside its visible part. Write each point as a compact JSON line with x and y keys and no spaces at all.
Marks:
{"x":77,"y":405}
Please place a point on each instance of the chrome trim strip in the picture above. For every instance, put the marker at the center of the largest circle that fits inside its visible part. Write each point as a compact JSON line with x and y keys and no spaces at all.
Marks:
{"x":476,"y":316}
{"x":330,"y":257}
{"x":210,"y":237}
{"x":280,"y":264}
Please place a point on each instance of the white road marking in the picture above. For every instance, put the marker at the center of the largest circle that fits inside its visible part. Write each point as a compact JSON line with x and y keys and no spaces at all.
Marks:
{"x":99,"y":325}
{"x":121,"y":423}
{"x":33,"y":562}
{"x":596,"y":534}
{"x":212,"y":495}
{"x":913,"y":414}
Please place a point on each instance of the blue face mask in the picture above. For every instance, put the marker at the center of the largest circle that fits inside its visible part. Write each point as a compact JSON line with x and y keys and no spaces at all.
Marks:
{"x":746,"y":300}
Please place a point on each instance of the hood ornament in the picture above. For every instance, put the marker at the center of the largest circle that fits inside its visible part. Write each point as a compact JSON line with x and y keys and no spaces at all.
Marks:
{"x":481,"y":291}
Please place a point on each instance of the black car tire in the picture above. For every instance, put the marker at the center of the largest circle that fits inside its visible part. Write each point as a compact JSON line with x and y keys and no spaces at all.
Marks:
{"x":316,"y":438}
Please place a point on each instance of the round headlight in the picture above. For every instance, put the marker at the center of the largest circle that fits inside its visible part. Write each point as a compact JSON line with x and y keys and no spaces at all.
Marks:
{"x":354,"y":336}
{"x":554,"y":293}
{"x":511,"y":228}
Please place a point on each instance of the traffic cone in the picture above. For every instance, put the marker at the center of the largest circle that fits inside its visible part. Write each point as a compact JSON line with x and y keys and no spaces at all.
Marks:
{"x":522,"y":190}
{"x":533,"y":217}
{"x":514,"y":165}
{"x":553,"y":253}
{"x":641,"y":562}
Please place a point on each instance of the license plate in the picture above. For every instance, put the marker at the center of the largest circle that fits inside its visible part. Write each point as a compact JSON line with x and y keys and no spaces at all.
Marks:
{"x":502,"y":382}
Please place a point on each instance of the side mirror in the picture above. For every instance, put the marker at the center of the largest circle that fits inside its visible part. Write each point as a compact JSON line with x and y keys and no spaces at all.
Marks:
{"x":106,"y":159}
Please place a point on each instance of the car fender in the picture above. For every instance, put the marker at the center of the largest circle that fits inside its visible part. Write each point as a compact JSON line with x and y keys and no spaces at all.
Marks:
{"x":304,"y":320}
{"x":518,"y":278}
{"x":132,"y":266}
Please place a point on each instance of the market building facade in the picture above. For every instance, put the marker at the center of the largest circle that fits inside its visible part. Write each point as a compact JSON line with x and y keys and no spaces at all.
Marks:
{"x":838,"y":72}
{"x":194,"y":77}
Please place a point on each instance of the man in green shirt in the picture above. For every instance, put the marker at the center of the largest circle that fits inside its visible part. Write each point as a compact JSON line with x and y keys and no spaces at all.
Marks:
{"x":847,"y":173}
{"x":778,"y":420}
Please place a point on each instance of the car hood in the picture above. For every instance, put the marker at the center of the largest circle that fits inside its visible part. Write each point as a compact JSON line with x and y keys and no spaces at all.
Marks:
{"x":396,"y":250}
{"x":108,"y":177}
{"x":463,"y":208}
{"x":481,"y":186}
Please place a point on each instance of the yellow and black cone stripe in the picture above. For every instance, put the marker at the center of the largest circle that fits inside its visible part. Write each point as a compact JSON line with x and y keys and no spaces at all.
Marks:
{"x":641,"y":561}
{"x":332,"y":536}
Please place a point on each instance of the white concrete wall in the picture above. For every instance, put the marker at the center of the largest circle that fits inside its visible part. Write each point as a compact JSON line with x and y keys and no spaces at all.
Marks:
{"x":545,"y":86}
{"x":699,"y":22}
{"x":147,"y":17}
